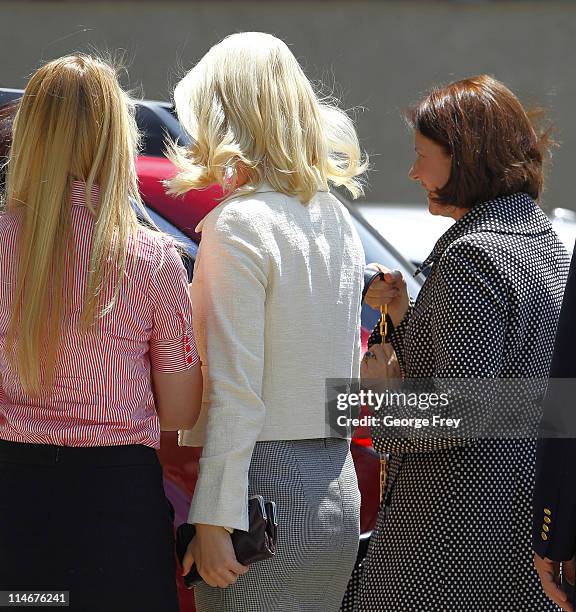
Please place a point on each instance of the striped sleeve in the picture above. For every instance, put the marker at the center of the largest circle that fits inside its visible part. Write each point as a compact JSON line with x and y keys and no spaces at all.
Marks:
{"x":172,"y":344}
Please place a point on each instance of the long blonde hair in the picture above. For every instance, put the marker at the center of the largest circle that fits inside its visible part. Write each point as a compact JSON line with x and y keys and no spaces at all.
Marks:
{"x":250,"y":110}
{"x":74,"y":122}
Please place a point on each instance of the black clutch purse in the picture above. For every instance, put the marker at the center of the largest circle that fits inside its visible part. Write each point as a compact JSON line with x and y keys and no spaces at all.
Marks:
{"x":256,"y":544}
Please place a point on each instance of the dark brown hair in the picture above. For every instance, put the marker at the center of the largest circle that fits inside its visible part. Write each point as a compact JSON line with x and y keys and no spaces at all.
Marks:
{"x":493,"y":141}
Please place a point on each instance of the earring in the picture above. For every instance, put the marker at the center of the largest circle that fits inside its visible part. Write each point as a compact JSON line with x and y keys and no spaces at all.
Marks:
{"x":229,"y":175}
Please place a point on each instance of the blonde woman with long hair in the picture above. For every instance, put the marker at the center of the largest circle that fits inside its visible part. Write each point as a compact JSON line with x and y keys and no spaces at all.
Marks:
{"x":276,"y":295}
{"x":96,"y":352}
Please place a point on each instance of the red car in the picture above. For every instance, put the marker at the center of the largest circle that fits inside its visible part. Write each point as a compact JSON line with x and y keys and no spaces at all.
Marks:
{"x":179,"y":216}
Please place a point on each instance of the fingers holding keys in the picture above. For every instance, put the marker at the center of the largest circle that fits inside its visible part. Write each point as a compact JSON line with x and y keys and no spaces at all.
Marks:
{"x":369,"y":369}
{"x":391,"y":277}
{"x":380,"y":294}
{"x":384,"y":353}
{"x":388,"y":291}
{"x":379,"y":363}
{"x":549,"y":573}
{"x":381,"y":291}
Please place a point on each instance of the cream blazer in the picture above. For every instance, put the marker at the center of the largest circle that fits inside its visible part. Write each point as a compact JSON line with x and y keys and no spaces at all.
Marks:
{"x":276,"y":300}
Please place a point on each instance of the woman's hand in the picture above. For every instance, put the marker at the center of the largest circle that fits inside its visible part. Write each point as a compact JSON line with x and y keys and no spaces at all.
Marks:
{"x":549,"y":573}
{"x":212,"y":551}
{"x":391,"y":291}
{"x":379,"y":363}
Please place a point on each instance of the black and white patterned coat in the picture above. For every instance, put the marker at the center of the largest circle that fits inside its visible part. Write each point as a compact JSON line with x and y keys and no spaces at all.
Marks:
{"x":454,"y":531}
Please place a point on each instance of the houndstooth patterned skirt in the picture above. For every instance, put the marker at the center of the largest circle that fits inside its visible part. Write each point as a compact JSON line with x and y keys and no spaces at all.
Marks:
{"x":313,"y":483}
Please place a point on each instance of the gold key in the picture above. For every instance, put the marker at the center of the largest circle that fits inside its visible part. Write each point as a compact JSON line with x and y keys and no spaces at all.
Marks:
{"x":383,"y":473}
{"x":383,"y":334}
{"x":383,"y":322}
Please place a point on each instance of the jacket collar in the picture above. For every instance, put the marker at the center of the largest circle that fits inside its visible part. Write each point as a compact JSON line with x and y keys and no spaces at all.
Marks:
{"x":264,"y":187}
{"x":516,"y":214}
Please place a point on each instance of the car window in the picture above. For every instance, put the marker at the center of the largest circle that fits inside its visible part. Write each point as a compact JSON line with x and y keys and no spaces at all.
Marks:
{"x":186,"y":246}
{"x":189,"y":245}
{"x":153,"y":132}
{"x":376,"y":252}
{"x":9,"y":95}
{"x":157,"y":125}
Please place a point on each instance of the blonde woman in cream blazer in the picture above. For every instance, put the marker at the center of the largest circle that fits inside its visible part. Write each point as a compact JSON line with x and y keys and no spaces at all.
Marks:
{"x":276,"y":300}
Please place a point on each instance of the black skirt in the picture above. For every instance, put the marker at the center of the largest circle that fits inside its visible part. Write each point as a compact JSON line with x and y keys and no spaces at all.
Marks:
{"x":91,"y":521}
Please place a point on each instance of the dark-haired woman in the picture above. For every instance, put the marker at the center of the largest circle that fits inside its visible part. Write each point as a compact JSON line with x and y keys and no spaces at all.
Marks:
{"x":453,"y":532}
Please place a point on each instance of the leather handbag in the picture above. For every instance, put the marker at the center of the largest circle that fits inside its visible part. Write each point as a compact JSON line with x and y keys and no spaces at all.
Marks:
{"x":256,"y":544}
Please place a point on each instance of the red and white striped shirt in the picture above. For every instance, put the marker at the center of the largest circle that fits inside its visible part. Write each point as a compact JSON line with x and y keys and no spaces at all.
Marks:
{"x":102,"y":393}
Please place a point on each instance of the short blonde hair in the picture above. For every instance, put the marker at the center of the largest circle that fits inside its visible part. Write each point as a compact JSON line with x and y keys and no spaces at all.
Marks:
{"x":74,"y":121}
{"x":249,"y":103}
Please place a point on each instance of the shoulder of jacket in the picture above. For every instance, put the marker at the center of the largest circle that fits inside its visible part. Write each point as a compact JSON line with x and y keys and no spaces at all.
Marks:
{"x":252,"y":206}
{"x":251,"y":215}
{"x":475,"y":246}
{"x":477,"y":253}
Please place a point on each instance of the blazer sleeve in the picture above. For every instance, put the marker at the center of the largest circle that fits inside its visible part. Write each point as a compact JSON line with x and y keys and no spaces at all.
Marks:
{"x":468,"y":324}
{"x":469,"y":315}
{"x":397,"y":334}
{"x":554,"y":512}
{"x":228,"y":295}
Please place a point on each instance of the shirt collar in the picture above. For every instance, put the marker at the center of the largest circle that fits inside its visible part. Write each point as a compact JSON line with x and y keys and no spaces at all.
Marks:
{"x":516,"y":214}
